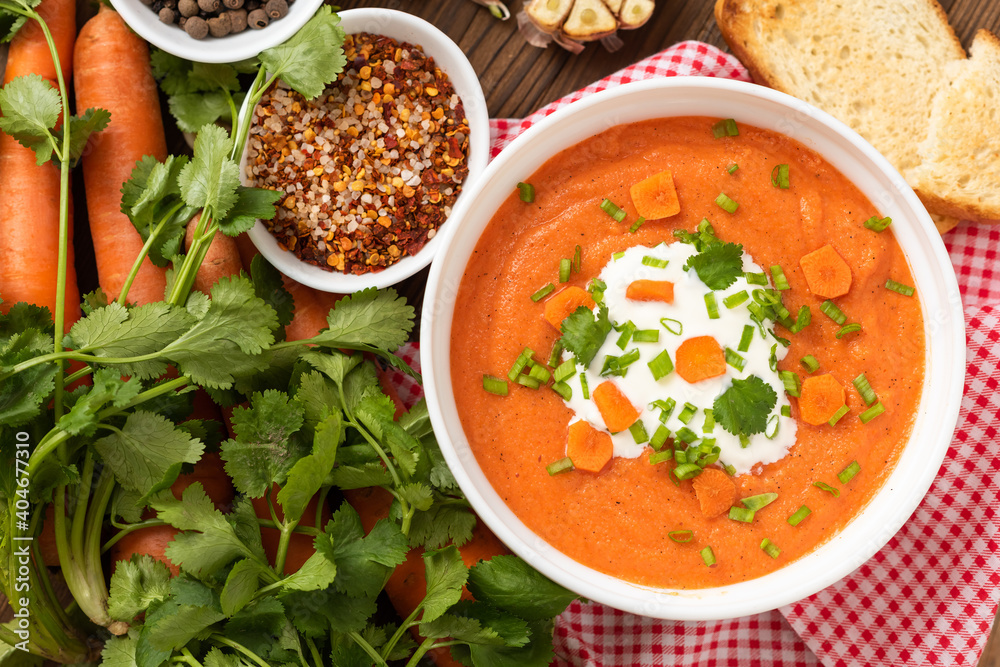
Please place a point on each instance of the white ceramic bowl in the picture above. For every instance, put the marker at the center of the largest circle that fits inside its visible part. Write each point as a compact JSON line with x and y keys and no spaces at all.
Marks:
{"x":228,"y":49}
{"x":450,"y":58}
{"x":872,"y":174}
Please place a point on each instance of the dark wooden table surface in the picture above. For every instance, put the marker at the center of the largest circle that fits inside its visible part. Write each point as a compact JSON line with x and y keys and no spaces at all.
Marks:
{"x":518,"y":78}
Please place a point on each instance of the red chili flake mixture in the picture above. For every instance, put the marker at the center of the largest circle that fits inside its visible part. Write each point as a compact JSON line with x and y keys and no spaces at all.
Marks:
{"x":370,"y":169}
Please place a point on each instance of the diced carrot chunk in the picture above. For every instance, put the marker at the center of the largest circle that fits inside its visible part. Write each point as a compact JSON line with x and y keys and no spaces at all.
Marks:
{"x":715,"y":491}
{"x":616,"y":410}
{"x":561,"y":305}
{"x":656,"y":197}
{"x":588,"y":448}
{"x":650,"y":290}
{"x":700,"y":358}
{"x":826,"y":272}
{"x":820,"y":398}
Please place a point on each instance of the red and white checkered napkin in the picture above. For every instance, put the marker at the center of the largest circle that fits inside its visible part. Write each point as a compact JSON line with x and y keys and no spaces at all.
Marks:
{"x":930,"y":595}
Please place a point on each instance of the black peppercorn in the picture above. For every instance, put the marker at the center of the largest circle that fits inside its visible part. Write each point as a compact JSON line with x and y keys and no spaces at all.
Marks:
{"x":257,"y":19}
{"x":196,"y":27}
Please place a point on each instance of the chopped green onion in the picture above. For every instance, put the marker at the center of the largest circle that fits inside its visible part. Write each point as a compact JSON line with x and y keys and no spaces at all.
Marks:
{"x":661,"y":365}
{"x":709,"y":421}
{"x":646,"y":336}
{"x":768,"y":547}
{"x":577,"y":259}
{"x":826,"y":487}
{"x":742,"y":514}
{"x":865,"y":389}
{"x":871,"y":413}
{"x":744,"y":440}
{"x":877,"y":224}
{"x":681,"y":536}
{"x":687,"y":470}
{"x":687,"y":413}
{"x":772,"y":361}
{"x":675,"y":326}
{"x":596,"y":288}
{"x":563,"y":389}
{"x":730,"y":470}
{"x":613,"y":210}
{"x":565,"y":266}
{"x":555,"y":354}
{"x":619,"y":365}
{"x":769,"y":432}
{"x":712,"y":306}
{"x":755,"y":278}
{"x":746,"y":338}
{"x":735,"y":360}
{"x":799,"y":515}
{"x":584,"y":389}
{"x":732,"y":168}
{"x":627,"y":330}
{"x":838,"y":415}
{"x":725,"y":128}
{"x":708,"y":556}
{"x":784,"y":341}
{"x":786,"y":410}
{"x":760,"y":501}
{"x":542,"y":293}
{"x":526,"y":191}
{"x":727,"y":204}
{"x":618,"y":255}
{"x":528,"y":381}
{"x":495,"y":385}
{"x":655,"y":262}
{"x":680,"y":455}
{"x":637,"y":224}
{"x":848,"y":473}
{"x":791,"y":381}
{"x":660,"y":436}
{"x":779,"y":279}
{"x":830,"y":309}
{"x":899,"y":288}
{"x":638,"y":431}
{"x":779,"y":176}
{"x":540,"y":373}
{"x":564,"y":371}
{"x":519,"y":363}
{"x":562,"y":465}
{"x":734,"y":300}
{"x":809,"y":363}
{"x":684,"y":434}
{"x":802,"y":320}
{"x":660,"y":457}
{"x":666,"y":408}
{"x":854,"y":327}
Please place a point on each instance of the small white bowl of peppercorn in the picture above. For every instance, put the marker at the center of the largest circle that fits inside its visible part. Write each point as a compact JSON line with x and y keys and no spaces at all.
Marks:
{"x":369,"y":170}
{"x":216,"y":31}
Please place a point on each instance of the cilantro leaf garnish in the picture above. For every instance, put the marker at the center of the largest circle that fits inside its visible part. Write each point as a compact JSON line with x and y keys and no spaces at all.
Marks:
{"x":743,"y":408}
{"x":584,"y":332}
{"x":135,"y":585}
{"x":508,"y":583}
{"x":31,"y":107}
{"x":211,"y":178}
{"x":718,"y":265}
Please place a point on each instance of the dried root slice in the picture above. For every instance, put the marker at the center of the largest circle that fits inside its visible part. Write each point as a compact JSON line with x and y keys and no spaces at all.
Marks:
{"x":572,"y":23}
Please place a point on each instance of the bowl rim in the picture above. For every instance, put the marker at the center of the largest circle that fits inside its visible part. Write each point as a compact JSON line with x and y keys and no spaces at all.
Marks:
{"x":918,"y":464}
{"x":214,"y":50}
{"x":452,"y":60}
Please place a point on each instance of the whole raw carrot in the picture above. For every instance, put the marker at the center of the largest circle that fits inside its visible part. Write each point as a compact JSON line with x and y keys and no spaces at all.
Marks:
{"x":113,"y":73}
{"x":29,"y":207}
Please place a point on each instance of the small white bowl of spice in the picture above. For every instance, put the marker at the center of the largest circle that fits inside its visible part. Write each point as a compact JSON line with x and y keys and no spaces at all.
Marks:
{"x":370,"y":169}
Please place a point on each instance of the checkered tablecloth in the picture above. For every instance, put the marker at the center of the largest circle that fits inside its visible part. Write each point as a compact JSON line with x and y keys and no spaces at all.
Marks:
{"x":930,"y":595}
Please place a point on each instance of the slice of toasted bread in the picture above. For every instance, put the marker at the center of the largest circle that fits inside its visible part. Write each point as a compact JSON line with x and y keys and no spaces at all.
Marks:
{"x":589,"y":20}
{"x":635,"y":13}
{"x":959,"y":173}
{"x":548,"y":15}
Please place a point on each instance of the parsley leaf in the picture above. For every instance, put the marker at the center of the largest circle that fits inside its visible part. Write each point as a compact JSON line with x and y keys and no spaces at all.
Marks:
{"x":718,"y":265}
{"x":743,"y":408}
{"x":312,"y":57}
{"x":584,"y":332}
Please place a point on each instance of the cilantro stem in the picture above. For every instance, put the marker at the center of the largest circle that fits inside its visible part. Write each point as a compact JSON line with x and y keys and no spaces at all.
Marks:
{"x":184,"y":278}
{"x":407,"y":623}
{"x":253,"y":657}
{"x":148,"y":523}
{"x":425,"y":646}
{"x":144,"y":252}
{"x":303,"y":530}
{"x":187,"y":657}
{"x":365,"y":646}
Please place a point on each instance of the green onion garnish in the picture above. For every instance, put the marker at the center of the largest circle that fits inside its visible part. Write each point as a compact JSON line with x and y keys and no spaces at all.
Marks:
{"x":660,"y":436}
{"x":779,"y":176}
{"x":660,"y":457}
{"x":495,"y":385}
{"x":854,"y":327}
{"x":565,"y":265}
{"x":613,"y":210}
{"x":838,"y":415}
{"x":746,"y":338}
{"x":638,"y":431}
{"x":826,"y":487}
{"x":563,"y":389}
{"x":772,"y":361}
{"x":584,"y":389}
{"x":760,"y":501}
{"x":848,"y":473}
{"x":680,"y":455}
{"x":540,"y":373}
{"x":646,"y":336}
{"x":708,"y":556}
{"x":779,"y":279}
{"x":666,"y":408}
{"x":618,"y":255}
{"x":865,"y":389}
{"x":564,"y":371}
{"x":637,"y":224}
{"x":791,"y":381}
{"x":661,"y":365}
{"x":799,"y":515}
{"x":725,"y":128}
{"x":519,"y":363}
{"x":687,"y":470}
{"x":709,"y":421}
{"x":877,"y":224}
{"x":687,"y":413}
{"x":627,"y":330}
{"x":655,"y":262}
{"x":712,"y":306}
{"x":769,"y":432}
{"x":732,"y":168}
{"x":742,"y":514}
{"x":577,"y":259}
{"x":730,"y":470}
{"x":727,"y":204}
{"x":830,"y":309}
{"x":681,"y":536}
{"x":673,"y":326}
{"x":768,"y":547}
{"x":802,"y":320}
{"x":528,"y":381}
{"x":871,"y":413}
{"x":542,"y":293}
{"x":596,"y":287}
{"x":684,"y":434}
{"x":735,"y":360}
{"x":786,"y":410}
{"x":562,"y":465}
{"x":734,"y":300}
{"x":809,"y":363}
{"x":744,"y":440}
{"x":526,"y":191}
{"x":555,"y":354}
{"x":899,"y":288}
{"x":755,"y":278}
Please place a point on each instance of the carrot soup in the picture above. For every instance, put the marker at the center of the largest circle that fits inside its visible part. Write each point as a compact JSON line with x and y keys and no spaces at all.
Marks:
{"x":688,"y":353}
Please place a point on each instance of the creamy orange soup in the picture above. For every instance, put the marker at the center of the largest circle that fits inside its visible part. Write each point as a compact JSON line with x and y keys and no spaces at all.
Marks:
{"x":617,"y":521}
